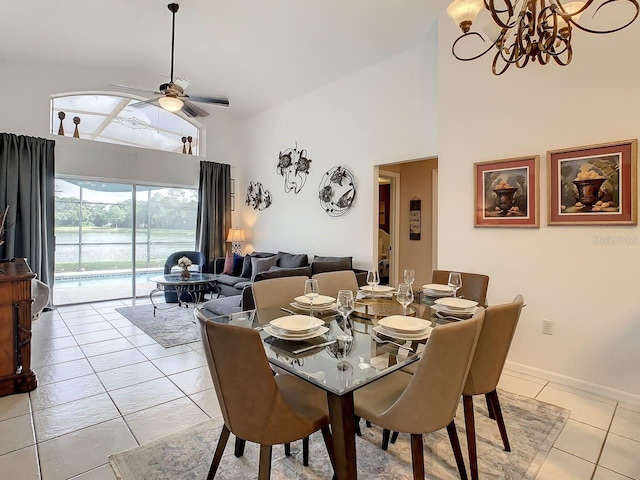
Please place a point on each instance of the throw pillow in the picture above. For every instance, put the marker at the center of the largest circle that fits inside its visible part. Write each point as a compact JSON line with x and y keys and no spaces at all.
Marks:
{"x":238,"y":261}
{"x":228,"y":264}
{"x":289,"y":260}
{"x":259,"y":265}
{"x":246,"y":267}
{"x":347,"y":261}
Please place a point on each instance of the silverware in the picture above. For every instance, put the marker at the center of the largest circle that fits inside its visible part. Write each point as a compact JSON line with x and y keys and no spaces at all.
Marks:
{"x":379,"y":340}
{"x":287,"y":310}
{"x":306,"y":349}
{"x":258,"y":329}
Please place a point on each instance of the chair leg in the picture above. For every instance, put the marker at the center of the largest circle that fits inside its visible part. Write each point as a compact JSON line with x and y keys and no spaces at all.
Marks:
{"x":238,"y":450}
{"x":457,"y":452}
{"x":495,"y":405}
{"x":492,"y":415}
{"x":394,"y":437}
{"x":357,"y":421}
{"x":217,"y":456}
{"x":287,"y":449}
{"x":470,"y":425}
{"x":385,"y":438}
{"x":264,"y":470}
{"x":328,"y":442}
{"x":305,"y":451}
{"x":417,"y":456}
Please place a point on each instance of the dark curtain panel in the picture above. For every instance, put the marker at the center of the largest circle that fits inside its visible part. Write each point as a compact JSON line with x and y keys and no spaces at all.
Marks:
{"x":27,"y":186}
{"x":214,"y":210}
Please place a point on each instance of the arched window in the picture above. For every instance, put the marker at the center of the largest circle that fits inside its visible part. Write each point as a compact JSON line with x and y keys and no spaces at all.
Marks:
{"x":107,"y":117}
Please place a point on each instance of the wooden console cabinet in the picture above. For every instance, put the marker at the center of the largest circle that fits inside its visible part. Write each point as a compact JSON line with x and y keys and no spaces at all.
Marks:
{"x":16,"y":375}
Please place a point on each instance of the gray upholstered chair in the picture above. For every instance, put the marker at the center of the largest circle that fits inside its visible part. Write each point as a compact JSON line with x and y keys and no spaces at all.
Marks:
{"x":499,"y":326}
{"x":474,"y":285}
{"x":256,"y":405}
{"x":277,"y":292}
{"x":329,"y":283}
{"x":426,"y":401}
{"x":40,"y":292}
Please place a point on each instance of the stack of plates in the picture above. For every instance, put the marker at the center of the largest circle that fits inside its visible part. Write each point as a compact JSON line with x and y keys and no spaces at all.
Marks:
{"x":322,"y":302}
{"x":377,"y":290}
{"x":437,"y":290}
{"x":296,"y":327}
{"x":404,"y":328}
{"x":455,"y":306}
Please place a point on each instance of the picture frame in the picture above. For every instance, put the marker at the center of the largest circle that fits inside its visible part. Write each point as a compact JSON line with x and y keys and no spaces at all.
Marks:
{"x":593,"y":184}
{"x":507,"y":192}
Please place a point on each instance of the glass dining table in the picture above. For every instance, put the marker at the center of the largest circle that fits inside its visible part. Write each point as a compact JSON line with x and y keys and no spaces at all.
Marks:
{"x":370,"y":357}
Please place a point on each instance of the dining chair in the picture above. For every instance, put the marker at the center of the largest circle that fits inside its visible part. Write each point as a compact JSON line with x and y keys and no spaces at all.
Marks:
{"x":256,"y":405}
{"x":329,"y":283}
{"x":277,"y":292}
{"x":499,"y":326}
{"x":474,"y":285}
{"x":426,"y":401}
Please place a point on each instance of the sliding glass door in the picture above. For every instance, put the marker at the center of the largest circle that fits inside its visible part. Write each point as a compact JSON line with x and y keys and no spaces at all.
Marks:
{"x":95,"y":255}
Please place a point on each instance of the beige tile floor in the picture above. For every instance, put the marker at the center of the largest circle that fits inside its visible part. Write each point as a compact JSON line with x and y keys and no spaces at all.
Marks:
{"x":105,"y":387}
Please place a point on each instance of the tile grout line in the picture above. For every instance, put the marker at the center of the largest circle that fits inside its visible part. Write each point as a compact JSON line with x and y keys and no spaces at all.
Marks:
{"x":604,"y":442}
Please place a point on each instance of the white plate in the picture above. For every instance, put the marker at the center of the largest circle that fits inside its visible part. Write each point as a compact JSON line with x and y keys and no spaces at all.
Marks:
{"x":455,"y":312}
{"x":296,"y":323}
{"x":436,"y":287}
{"x":402,"y":324}
{"x":274,"y":332}
{"x":403,"y":336}
{"x":318,"y":302}
{"x":432,"y":293}
{"x":316,"y":308}
{"x":378,"y":289}
{"x":456,"y":303}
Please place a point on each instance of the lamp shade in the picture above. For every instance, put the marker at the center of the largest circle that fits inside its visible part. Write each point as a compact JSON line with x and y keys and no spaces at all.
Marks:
{"x":569,"y":8}
{"x":235,"y":235}
{"x":171,"y":104}
{"x":464,"y":11}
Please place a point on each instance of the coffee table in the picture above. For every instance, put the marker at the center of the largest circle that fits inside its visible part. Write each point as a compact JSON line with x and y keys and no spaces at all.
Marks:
{"x":195,"y":286}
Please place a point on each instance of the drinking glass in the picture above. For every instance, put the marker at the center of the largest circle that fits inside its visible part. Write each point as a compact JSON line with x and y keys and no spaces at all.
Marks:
{"x":311,"y":291}
{"x":345,"y":305}
{"x":409,"y":276}
{"x":455,"y":282}
{"x":340,"y":349}
{"x":404,"y":296}
{"x":373,"y":279}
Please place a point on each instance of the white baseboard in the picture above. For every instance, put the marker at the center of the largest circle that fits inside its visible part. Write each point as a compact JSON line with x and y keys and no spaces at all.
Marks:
{"x":593,"y":388}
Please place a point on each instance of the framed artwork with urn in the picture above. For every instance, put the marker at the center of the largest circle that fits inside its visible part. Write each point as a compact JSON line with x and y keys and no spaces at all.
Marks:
{"x":593,"y":184}
{"x":506,"y":192}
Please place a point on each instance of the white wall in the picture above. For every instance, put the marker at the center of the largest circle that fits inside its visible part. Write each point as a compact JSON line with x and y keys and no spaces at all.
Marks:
{"x":26,"y":112}
{"x":590,"y":291}
{"x":382,"y":114}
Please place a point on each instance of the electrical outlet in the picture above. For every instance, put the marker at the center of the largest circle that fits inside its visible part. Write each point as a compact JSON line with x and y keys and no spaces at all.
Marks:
{"x":547,"y":327}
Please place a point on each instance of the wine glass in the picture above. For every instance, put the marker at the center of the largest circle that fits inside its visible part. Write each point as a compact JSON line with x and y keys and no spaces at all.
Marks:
{"x":404,"y":296}
{"x":455,"y":282}
{"x":409,"y":276}
{"x":311,"y":291}
{"x":345,"y":305}
{"x":341,"y":348}
{"x":373,"y":279}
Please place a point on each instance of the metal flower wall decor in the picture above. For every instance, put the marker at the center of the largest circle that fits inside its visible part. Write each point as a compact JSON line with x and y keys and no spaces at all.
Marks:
{"x":337,"y":191}
{"x":294,"y":166}
{"x":257,"y":196}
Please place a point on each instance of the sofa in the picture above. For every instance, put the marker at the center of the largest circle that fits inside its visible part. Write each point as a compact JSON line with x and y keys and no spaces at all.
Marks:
{"x":235,"y":287}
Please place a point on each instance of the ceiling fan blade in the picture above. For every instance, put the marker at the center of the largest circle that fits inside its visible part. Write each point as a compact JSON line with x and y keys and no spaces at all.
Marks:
{"x":224,"y":101}
{"x":124,"y":86}
{"x":192,"y":110}
{"x":143,"y":103}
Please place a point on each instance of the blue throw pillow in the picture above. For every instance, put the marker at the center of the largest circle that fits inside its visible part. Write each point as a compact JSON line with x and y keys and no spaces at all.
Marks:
{"x":238,"y":261}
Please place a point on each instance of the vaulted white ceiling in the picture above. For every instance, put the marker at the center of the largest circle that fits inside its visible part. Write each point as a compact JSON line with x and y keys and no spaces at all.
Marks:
{"x":257,"y":52}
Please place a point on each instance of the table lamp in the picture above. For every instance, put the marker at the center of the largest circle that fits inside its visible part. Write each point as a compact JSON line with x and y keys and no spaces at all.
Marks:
{"x":236,"y":237}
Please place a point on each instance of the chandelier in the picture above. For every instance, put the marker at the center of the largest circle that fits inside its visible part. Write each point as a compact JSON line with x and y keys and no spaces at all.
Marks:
{"x":527,"y":30}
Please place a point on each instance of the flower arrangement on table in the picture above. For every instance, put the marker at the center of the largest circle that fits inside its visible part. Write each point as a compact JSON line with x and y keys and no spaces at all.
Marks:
{"x":184,"y":263}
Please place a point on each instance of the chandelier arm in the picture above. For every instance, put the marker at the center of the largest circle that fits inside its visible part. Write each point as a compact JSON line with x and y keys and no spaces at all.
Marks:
{"x":561,"y":11}
{"x":589,"y":30}
{"x":467,"y":59}
{"x":494,"y":12}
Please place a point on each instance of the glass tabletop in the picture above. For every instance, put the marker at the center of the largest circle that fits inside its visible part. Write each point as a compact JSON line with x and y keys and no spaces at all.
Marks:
{"x":370,"y":357}
{"x":174,"y":278}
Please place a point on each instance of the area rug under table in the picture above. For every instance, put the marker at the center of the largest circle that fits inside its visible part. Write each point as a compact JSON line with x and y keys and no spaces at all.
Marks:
{"x":532,"y":425}
{"x":170,"y":327}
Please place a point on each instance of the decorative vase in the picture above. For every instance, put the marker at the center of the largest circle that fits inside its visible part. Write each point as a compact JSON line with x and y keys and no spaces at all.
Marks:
{"x":185,"y":274}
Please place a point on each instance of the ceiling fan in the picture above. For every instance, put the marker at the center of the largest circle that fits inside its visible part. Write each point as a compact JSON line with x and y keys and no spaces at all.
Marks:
{"x":172,"y":96}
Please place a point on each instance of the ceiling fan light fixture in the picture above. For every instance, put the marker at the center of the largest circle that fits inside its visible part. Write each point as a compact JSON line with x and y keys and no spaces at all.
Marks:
{"x":171,"y":104}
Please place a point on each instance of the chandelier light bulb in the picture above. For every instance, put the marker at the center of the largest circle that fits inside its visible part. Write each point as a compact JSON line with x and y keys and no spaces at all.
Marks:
{"x":464,"y":12}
